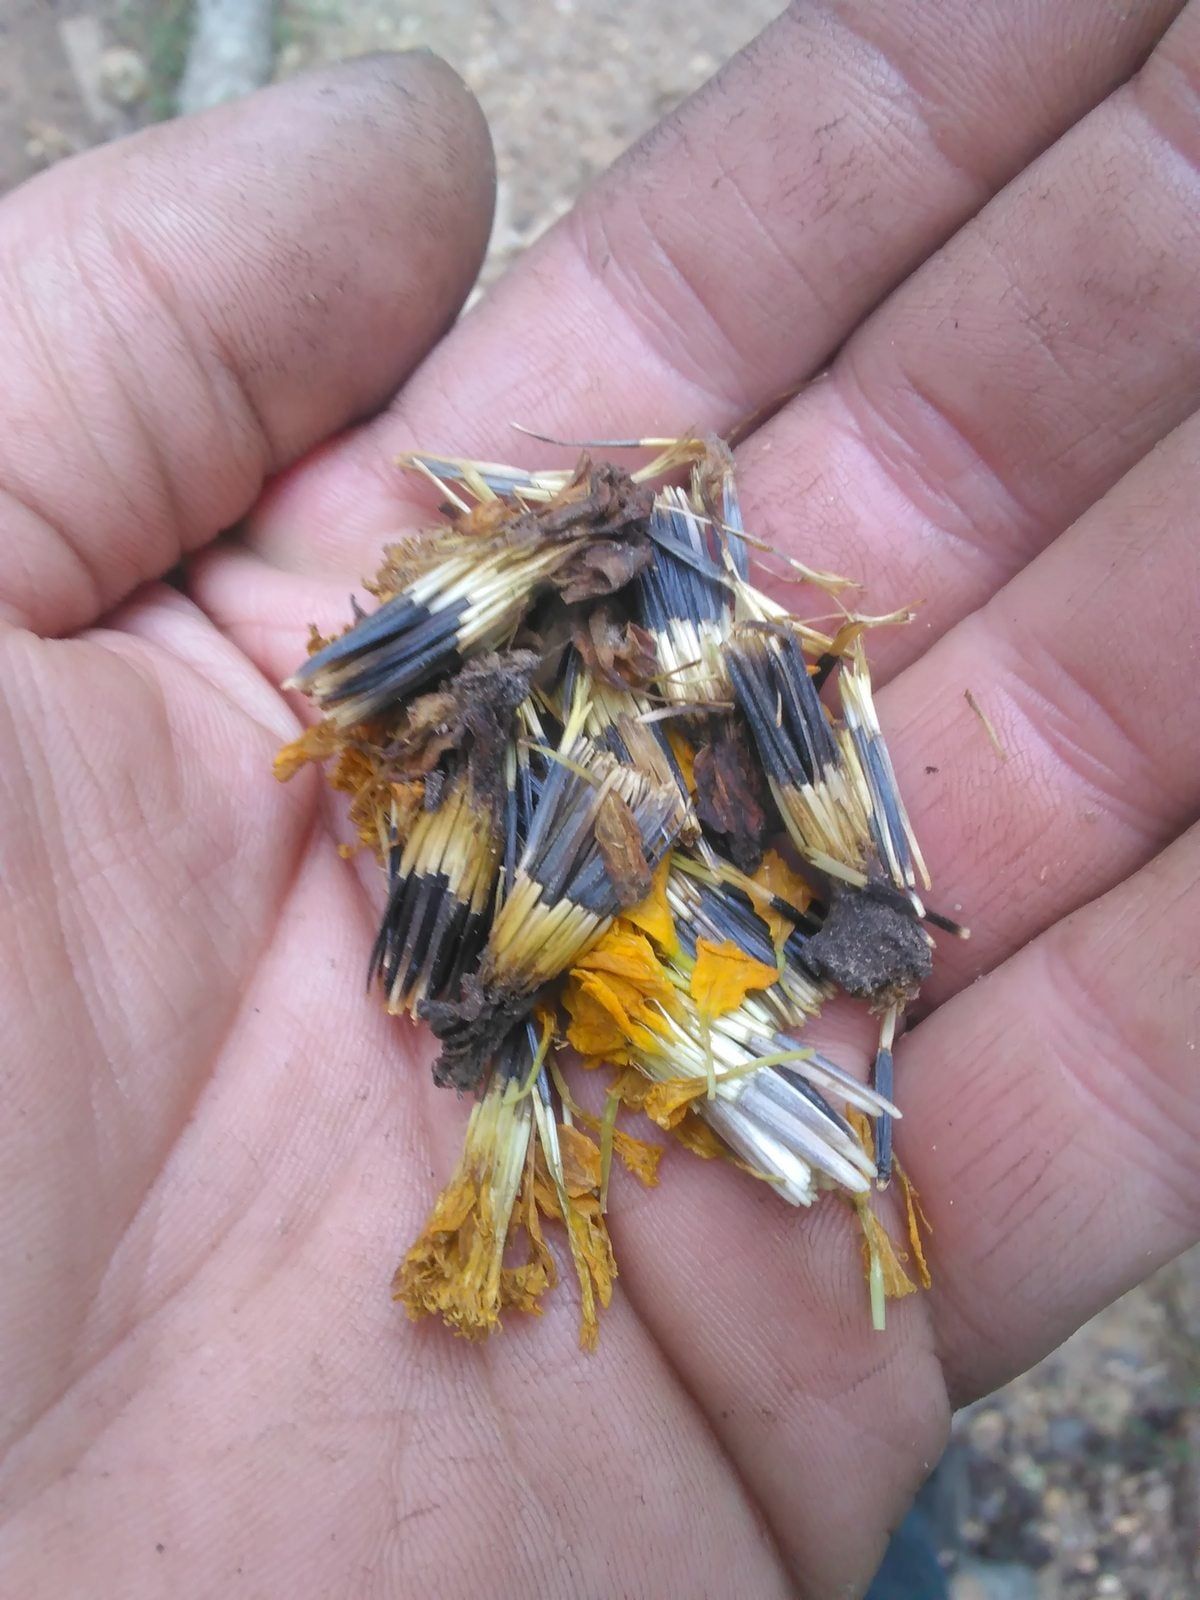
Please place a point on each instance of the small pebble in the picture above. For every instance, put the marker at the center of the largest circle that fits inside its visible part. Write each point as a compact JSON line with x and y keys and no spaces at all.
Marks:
{"x":123,"y":76}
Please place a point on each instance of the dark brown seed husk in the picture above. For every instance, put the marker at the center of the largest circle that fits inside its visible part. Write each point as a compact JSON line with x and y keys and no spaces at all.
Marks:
{"x":619,"y":842}
{"x":728,"y":791}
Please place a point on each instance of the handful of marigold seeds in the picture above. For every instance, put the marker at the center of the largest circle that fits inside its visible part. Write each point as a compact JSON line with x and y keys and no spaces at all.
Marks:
{"x":615,"y":812}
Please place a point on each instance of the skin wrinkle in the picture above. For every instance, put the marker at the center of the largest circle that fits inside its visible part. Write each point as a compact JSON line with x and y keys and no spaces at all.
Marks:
{"x":932,"y":116}
{"x":821,"y":1393}
{"x":78,"y":960}
{"x":62,"y":399}
{"x":441,"y":204}
{"x":895,"y":450}
{"x":509,"y":1439}
{"x":1052,"y":336}
{"x":590,"y":216}
{"x":1093,"y":1030}
{"x":1103,"y":929}
{"x":234,"y":680}
{"x":792,"y":261}
{"x":13,"y":505}
{"x":168,"y":510}
{"x":76,"y":908}
{"x":165,"y":514}
{"x":1040,"y":690}
{"x":710,"y":1419}
{"x":1019,"y":1193}
{"x":228,"y":403}
{"x":661,"y":145}
{"x":645,"y":310}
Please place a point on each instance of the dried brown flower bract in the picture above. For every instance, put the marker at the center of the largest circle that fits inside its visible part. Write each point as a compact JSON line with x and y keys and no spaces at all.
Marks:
{"x":730,"y":800}
{"x":473,"y":714}
{"x":616,"y":651}
{"x":619,"y":842}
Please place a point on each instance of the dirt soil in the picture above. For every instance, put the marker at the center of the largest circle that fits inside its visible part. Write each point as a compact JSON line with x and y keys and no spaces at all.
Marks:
{"x":1081,"y":1479}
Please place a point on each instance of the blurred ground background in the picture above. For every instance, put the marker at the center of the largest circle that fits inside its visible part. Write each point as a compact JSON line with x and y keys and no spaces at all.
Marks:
{"x":1081,"y":1479}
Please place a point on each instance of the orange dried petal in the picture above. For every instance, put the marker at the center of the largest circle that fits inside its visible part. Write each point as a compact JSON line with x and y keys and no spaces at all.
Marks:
{"x":580,"y":1160}
{"x":668,"y":1102}
{"x":877,"y":1243}
{"x":653,"y":915}
{"x":695,"y":1135}
{"x":864,"y":1128}
{"x":777,"y":878}
{"x":453,"y":1270}
{"x":317,"y":743}
{"x":638,"y":1156}
{"x":595,"y":1267}
{"x":631,"y":1089}
{"x":724,"y":975}
{"x":626,"y":953}
{"x":598,"y":1025}
{"x":916,"y":1223}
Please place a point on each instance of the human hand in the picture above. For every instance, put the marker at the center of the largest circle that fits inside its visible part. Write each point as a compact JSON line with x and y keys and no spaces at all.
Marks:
{"x":216,"y":1148}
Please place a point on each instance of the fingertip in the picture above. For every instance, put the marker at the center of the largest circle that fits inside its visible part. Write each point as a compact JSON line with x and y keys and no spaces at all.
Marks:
{"x":422,"y":101}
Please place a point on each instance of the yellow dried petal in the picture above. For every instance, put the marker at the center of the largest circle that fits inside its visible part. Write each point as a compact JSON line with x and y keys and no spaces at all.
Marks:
{"x":638,"y":1156}
{"x":380,"y":809}
{"x":523,"y":1286}
{"x":454,"y":1269}
{"x":653,"y":914}
{"x":598,"y":1025}
{"x":695,"y":1135}
{"x":612,"y":996}
{"x":631,"y":1089}
{"x":595,"y":1267}
{"x":577,"y":1204}
{"x":724,"y":975}
{"x":625,"y":953}
{"x":777,"y":878}
{"x":864,"y":1128}
{"x":685,"y":757}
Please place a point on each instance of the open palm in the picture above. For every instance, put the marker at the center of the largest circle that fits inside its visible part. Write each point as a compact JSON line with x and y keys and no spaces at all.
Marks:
{"x":214,"y":1148}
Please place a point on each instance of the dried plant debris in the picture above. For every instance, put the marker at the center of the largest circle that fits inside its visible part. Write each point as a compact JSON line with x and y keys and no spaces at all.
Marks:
{"x":626,"y":802}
